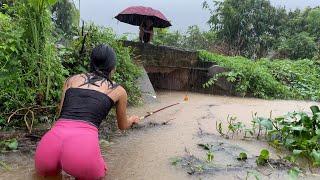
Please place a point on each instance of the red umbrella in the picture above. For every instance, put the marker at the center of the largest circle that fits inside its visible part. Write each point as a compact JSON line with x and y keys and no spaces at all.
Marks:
{"x":136,"y":15}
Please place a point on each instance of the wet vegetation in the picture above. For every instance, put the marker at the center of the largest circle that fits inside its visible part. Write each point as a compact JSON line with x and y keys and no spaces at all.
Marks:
{"x":280,"y":79}
{"x":41,"y":44}
{"x":269,"y":53}
{"x":297,"y":131}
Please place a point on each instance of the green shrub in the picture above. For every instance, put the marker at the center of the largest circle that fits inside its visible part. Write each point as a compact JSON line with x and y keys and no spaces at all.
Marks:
{"x":269,"y":79}
{"x":302,"y":77}
{"x":32,"y":68}
{"x":126,"y":71}
{"x":299,"y":46}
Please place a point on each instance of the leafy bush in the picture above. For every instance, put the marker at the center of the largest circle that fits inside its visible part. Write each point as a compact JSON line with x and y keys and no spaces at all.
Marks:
{"x":269,"y":79}
{"x":193,"y":39}
{"x":126,"y":71}
{"x":31,"y":73}
{"x":302,"y":77}
{"x":300,"y":45}
{"x":29,"y":69}
{"x":32,"y":68}
{"x":249,"y":77}
{"x":298,"y":132}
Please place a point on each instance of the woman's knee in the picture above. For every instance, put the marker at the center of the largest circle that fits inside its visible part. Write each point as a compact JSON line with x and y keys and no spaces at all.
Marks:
{"x":88,"y":170}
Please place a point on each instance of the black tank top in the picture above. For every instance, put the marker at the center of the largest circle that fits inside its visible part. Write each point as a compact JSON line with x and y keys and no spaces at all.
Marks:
{"x":86,"y":105}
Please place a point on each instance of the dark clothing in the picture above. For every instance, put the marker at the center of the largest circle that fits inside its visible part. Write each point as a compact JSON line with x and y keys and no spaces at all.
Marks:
{"x":146,"y":36}
{"x":86,"y":105}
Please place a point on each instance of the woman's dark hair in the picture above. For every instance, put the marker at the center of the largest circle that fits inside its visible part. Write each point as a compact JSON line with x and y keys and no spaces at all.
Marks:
{"x":102,"y":62}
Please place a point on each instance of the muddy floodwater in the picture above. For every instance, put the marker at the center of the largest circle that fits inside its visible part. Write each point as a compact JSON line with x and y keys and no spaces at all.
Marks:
{"x":148,"y":150}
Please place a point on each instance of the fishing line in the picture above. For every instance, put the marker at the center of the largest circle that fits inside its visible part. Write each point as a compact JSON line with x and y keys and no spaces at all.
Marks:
{"x":186,"y":98}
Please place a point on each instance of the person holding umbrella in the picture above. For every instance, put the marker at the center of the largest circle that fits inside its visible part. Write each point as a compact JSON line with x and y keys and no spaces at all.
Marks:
{"x":145,"y":17}
{"x":146,"y":31}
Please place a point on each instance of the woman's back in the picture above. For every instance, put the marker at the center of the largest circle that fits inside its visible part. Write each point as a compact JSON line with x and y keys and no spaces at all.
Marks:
{"x":87,"y":98}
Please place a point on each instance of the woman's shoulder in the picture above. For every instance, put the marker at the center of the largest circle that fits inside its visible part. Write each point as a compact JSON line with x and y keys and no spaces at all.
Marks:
{"x":75,"y":78}
{"x":118,"y":87}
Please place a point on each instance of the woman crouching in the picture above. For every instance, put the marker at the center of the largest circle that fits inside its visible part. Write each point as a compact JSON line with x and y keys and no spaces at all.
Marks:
{"x":72,"y":145}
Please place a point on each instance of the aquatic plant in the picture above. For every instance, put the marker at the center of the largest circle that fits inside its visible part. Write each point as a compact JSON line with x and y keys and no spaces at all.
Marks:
{"x":242,"y":156}
{"x":263,"y":157}
{"x":298,"y":132}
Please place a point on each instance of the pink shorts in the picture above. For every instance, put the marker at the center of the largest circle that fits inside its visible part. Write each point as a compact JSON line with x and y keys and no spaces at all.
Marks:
{"x":71,"y":146}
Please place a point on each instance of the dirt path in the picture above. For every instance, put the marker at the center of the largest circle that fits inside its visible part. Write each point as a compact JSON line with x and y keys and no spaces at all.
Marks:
{"x":147,"y":151}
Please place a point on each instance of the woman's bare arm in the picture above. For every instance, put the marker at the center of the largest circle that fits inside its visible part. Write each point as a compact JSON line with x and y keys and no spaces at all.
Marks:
{"x":64,"y":89}
{"x":121,"y":109}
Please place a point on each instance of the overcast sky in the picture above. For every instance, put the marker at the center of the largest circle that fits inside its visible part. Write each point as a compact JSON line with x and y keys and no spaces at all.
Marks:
{"x":181,"y":13}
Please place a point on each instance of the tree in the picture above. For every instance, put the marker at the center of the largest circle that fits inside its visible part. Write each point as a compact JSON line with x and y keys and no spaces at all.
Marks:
{"x":164,"y":37}
{"x":65,"y":16}
{"x":313,"y":20}
{"x":299,"y":46}
{"x":196,"y":39}
{"x":248,"y":26}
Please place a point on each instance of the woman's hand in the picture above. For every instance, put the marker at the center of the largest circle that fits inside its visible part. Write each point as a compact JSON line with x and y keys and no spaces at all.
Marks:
{"x":134,"y":119}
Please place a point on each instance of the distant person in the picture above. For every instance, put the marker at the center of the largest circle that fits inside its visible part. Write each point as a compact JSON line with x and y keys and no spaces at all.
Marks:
{"x":146,"y":31}
{"x":72,"y":145}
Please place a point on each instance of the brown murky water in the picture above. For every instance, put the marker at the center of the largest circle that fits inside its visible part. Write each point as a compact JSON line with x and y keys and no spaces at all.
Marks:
{"x":147,"y":152}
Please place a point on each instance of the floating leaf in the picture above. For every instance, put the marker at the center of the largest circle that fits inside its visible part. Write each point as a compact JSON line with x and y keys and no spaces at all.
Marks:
{"x":294,"y":173}
{"x":263,"y":157}
{"x":13,"y":144}
{"x":266,"y":123}
{"x":264,"y":154}
{"x":315,"y":109}
{"x":242,"y":156}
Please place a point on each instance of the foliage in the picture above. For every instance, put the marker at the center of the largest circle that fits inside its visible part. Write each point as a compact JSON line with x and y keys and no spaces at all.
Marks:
{"x":263,"y":157}
{"x":193,"y":39}
{"x":66,"y":17}
{"x":300,"y":133}
{"x":210,"y":156}
{"x":76,"y":58}
{"x":209,"y":148}
{"x":313,"y":20}
{"x":294,"y":173}
{"x":269,"y":79}
{"x":300,"y":45}
{"x":247,"y":26}
{"x":33,"y":66}
{"x":249,"y":77}
{"x":256,"y":29}
{"x":300,"y":77}
{"x":30,"y":71}
{"x":242,"y":156}
{"x":165,"y":37}
{"x":11,"y":144}
{"x":296,"y":131}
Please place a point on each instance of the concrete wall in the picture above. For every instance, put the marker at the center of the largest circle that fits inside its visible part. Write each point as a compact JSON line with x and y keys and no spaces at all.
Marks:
{"x":162,"y":55}
{"x":177,"y":69}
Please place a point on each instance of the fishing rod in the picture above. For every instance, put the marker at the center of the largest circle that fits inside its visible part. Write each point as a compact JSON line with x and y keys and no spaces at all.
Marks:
{"x":186,"y":98}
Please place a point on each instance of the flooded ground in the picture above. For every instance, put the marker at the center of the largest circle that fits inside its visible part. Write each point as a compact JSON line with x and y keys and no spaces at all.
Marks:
{"x":148,"y":150}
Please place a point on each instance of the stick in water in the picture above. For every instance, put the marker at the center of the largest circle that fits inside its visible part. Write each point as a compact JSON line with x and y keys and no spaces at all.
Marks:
{"x":150,"y":113}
